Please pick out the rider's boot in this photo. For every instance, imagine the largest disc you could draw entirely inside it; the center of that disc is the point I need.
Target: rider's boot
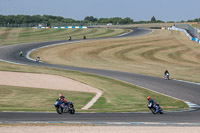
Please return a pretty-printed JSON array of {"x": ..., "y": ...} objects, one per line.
[{"x": 157, "y": 109}]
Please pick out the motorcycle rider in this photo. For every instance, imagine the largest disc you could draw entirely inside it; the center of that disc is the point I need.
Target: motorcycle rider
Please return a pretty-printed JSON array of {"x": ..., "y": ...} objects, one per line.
[
  {"x": 152, "y": 103},
  {"x": 62, "y": 99},
  {"x": 38, "y": 59},
  {"x": 20, "y": 54},
  {"x": 84, "y": 37},
  {"x": 70, "y": 38},
  {"x": 166, "y": 73}
]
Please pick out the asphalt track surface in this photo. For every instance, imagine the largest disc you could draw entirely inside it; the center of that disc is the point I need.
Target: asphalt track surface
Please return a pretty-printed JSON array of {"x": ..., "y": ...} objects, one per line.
[{"x": 182, "y": 90}]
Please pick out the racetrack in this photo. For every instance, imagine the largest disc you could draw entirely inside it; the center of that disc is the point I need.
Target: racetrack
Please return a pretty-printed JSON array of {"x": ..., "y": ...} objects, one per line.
[{"x": 182, "y": 90}]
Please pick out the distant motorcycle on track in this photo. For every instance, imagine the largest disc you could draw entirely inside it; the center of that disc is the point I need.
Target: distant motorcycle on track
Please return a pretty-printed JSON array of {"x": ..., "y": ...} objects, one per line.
[
  {"x": 84, "y": 37},
  {"x": 20, "y": 54},
  {"x": 61, "y": 107},
  {"x": 167, "y": 76},
  {"x": 70, "y": 38},
  {"x": 37, "y": 59}
]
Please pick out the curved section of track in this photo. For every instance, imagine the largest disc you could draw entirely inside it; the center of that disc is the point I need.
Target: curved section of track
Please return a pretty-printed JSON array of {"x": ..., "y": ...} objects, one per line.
[{"x": 182, "y": 90}]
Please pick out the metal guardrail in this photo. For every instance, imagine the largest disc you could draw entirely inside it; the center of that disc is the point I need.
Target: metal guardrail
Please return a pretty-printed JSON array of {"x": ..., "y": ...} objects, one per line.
[{"x": 190, "y": 29}]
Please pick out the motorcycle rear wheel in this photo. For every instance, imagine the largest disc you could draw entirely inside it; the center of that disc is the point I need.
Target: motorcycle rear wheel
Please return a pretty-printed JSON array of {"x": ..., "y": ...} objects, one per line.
[
  {"x": 72, "y": 111},
  {"x": 161, "y": 111}
]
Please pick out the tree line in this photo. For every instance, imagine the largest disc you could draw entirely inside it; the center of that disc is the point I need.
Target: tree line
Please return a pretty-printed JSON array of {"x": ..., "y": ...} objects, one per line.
[
  {"x": 35, "y": 19},
  {"x": 50, "y": 20}
]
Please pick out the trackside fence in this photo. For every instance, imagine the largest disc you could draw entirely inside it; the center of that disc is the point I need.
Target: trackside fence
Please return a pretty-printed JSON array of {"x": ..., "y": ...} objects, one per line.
[
  {"x": 190, "y": 29},
  {"x": 186, "y": 32}
]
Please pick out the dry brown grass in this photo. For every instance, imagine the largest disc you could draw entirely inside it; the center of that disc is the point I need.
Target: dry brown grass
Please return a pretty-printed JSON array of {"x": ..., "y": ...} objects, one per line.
[
  {"x": 11, "y": 35},
  {"x": 151, "y": 54}
]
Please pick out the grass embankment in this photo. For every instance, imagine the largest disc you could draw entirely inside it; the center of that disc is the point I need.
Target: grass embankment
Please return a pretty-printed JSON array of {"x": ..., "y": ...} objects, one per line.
[
  {"x": 196, "y": 25},
  {"x": 33, "y": 99},
  {"x": 25, "y": 35},
  {"x": 117, "y": 96},
  {"x": 151, "y": 54}
]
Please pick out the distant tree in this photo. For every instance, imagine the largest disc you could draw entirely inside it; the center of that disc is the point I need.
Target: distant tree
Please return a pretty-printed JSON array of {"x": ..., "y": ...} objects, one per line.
[
  {"x": 153, "y": 19},
  {"x": 10, "y": 19},
  {"x": 104, "y": 20},
  {"x": 194, "y": 20},
  {"x": 115, "y": 20},
  {"x": 170, "y": 22},
  {"x": 68, "y": 20},
  {"x": 2, "y": 19},
  {"x": 90, "y": 19},
  {"x": 126, "y": 20}
]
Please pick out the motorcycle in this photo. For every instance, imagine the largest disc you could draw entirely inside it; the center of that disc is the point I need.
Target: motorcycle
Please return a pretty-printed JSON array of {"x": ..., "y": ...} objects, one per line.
[
  {"x": 61, "y": 107},
  {"x": 37, "y": 59},
  {"x": 167, "y": 76},
  {"x": 20, "y": 54},
  {"x": 70, "y": 38},
  {"x": 153, "y": 108}
]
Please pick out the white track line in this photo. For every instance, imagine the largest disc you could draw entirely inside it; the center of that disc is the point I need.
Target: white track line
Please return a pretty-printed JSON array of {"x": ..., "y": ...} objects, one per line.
[
  {"x": 187, "y": 81},
  {"x": 91, "y": 103},
  {"x": 13, "y": 62},
  {"x": 125, "y": 33}
]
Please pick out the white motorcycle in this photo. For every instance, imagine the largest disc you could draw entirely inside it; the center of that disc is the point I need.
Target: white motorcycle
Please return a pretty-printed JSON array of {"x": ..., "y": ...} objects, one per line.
[
  {"x": 37, "y": 59},
  {"x": 167, "y": 76}
]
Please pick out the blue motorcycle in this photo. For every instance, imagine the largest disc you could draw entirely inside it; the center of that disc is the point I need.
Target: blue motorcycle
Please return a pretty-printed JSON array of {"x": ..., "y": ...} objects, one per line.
[
  {"x": 61, "y": 107},
  {"x": 153, "y": 108}
]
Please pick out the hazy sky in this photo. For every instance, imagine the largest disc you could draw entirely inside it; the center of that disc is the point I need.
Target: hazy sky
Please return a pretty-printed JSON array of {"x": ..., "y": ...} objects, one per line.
[{"x": 166, "y": 10}]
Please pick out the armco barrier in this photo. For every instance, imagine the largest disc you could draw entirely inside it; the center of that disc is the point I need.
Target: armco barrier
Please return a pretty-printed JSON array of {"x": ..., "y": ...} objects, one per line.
[
  {"x": 193, "y": 31},
  {"x": 42, "y": 27},
  {"x": 71, "y": 27},
  {"x": 66, "y": 27},
  {"x": 179, "y": 29}
]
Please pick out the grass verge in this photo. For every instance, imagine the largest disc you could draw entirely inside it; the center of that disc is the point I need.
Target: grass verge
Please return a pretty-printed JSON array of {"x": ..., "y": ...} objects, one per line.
[
  {"x": 33, "y": 99},
  {"x": 117, "y": 96}
]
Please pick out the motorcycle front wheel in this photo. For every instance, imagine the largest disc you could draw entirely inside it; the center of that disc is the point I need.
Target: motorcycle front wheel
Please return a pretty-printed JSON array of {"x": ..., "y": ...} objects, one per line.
[
  {"x": 153, "y": 110},
  {"x": 59, "y": 110}
]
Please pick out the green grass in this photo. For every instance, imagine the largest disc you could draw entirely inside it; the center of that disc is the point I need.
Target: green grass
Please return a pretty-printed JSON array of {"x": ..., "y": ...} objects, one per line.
[
  {"x": 33, "y": 99},
  {"x": 196, "y": 25},
  {"x": 123, "y": 97},
  {"x": 24, "y": 35},
  {"x": 117, "y": 96}
]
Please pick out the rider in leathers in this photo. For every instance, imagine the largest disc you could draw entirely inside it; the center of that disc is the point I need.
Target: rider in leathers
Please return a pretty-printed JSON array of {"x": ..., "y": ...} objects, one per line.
[
  {"x": 166, "y": 72},
  {"x": 152, "y": 103},
  {"x": 62, "y": 99}
]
